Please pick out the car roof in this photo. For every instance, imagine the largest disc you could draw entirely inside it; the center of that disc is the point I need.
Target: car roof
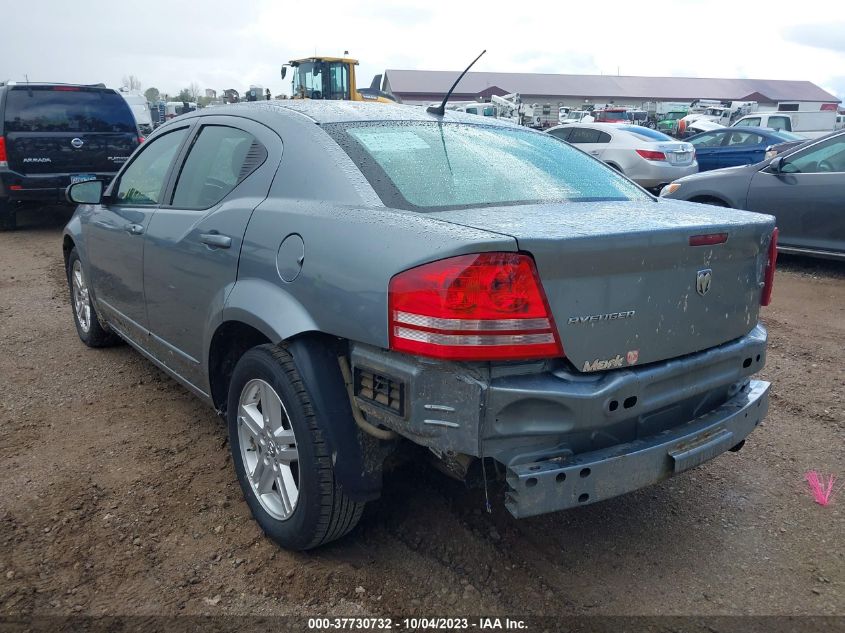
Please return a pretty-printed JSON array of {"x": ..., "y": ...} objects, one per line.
[
  {"x": 763, "y": 131},
  {"x": 49, "y": 84},
  {"x": 349, "y": 111}
]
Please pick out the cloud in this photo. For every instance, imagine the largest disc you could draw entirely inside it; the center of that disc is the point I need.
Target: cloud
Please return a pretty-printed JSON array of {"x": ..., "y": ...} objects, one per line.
[{"x": 828, "y": 35}]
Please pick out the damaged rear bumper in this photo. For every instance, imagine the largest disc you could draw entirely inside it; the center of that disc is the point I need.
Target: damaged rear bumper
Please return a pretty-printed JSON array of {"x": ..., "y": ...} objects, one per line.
[{"x": 547, "y": 486}]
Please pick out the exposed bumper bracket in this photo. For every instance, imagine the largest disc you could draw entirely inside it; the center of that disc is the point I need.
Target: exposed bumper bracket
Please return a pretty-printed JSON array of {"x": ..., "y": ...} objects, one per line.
[{"x": 547, "y": 486}]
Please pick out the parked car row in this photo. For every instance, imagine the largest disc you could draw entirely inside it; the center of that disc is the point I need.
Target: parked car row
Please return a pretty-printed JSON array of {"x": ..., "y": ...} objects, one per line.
[
  {"x": 649, "y": 157},
  {"x": 800, "y": 181}
]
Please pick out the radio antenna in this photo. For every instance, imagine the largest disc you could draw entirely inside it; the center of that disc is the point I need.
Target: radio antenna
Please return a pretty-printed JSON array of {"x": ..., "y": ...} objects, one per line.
[{"x": 441, "y": 109}]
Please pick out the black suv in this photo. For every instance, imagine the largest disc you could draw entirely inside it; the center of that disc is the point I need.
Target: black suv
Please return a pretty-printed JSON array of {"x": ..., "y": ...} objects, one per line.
[{"x": 52, "y": 135}]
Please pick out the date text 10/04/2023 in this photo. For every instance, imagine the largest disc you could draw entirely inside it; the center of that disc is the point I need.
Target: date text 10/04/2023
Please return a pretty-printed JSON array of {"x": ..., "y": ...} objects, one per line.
[{"x": 415, "y": 623}]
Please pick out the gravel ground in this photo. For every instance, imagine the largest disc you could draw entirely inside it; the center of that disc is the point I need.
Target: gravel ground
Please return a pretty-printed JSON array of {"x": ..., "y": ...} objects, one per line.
[{"x": 118, "y": 496}]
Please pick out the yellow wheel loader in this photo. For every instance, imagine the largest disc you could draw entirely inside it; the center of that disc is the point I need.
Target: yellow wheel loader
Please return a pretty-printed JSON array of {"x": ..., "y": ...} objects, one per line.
[{"x": 332, "y": 78}]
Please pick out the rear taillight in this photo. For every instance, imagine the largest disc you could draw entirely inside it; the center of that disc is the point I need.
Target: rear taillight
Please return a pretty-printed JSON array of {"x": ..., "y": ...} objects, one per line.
[
  {"x": 489, "y": 306},
  {"x": 769, "y": 280},
  {"x": 651, "y": 155},
  {"x": 4, "y": 161},
  {"x": 141, "y": 139}
]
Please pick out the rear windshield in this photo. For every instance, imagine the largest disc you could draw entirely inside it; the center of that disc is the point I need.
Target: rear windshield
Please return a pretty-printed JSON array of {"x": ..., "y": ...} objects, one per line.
[
  {"x": 65, "y": 109},
  {"x": 429, "y": 165},
  {"x": 645, "y": 133}
]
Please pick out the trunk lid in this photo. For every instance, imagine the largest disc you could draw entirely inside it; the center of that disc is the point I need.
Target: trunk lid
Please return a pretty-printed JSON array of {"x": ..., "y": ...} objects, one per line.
[{"x": 623, "y": 281}]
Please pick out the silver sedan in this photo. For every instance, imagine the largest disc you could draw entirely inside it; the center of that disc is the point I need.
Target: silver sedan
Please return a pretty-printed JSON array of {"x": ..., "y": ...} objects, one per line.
[{"x": 648, "y": 157}]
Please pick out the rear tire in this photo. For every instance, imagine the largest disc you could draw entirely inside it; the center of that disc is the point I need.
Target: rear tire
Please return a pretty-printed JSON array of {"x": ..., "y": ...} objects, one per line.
[
  {"x": 8, "y": 215},
  {"x": 85, "y": 317},
  {"x": 281, "y": 457}
]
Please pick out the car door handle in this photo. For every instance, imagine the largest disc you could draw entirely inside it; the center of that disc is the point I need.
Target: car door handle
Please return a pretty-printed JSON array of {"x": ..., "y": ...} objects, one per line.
[
  {"x": 216, "y": 240},
  {"x": 594, "y": 152},
  {"x": 134, "y": 229}
]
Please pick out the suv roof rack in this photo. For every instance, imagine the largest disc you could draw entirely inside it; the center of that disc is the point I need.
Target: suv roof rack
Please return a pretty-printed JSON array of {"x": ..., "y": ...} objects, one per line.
[{"x": 49, "y": 83}]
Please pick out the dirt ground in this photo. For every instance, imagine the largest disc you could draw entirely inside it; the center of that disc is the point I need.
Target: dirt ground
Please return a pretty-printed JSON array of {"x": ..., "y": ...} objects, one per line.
[{"x": 117, "y": 494}]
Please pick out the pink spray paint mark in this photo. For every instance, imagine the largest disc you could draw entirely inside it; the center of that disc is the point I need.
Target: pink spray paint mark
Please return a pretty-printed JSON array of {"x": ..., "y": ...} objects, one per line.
[{"x": 821, "y": 487}]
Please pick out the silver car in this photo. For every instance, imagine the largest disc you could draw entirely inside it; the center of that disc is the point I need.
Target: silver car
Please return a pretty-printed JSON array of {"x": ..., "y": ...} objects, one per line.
[
  {"x": 648, "y": 157},
  {"x": 335, "y": 278}
]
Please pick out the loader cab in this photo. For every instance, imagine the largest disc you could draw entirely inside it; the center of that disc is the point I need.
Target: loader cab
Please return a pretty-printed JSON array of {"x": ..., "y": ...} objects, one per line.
[{"x": 323, "y": 78}]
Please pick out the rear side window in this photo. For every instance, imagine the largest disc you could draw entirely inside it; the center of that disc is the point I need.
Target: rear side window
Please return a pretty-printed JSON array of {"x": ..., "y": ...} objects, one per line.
[
  {"x": 780, "y": 123},
  {"x": 584, "y": 135},
  {"x": 750, "y": 122},
  {"x": 67, "y": 109},
  {"x": 218, "y": 160},
  {"x": 738, "y": 139}
]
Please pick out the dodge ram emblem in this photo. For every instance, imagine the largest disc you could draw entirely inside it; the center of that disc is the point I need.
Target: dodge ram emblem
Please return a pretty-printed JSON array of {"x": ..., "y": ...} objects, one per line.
[
  {"x": 77, "y": 143},
  {"x": 702, "y": 281}
]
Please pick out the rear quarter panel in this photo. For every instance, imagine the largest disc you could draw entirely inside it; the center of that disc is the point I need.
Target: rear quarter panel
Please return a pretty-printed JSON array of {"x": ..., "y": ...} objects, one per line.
[{"x": 350, "y": 254}]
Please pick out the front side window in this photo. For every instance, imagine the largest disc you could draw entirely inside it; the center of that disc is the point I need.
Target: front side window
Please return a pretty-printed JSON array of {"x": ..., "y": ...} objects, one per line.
[
  {"x": 428, "y": 165},
  {"x": 561, "y": 133},
  {"x": 214, "y": 166},
  {"x": 142, "y": 182},
  {"x": 828, "y": 156},
  {"x": 748, "y": 122}
]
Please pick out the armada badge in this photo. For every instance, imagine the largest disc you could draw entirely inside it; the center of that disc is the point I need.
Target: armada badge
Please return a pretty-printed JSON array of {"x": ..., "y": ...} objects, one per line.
[{"x": 703, "y": 280}]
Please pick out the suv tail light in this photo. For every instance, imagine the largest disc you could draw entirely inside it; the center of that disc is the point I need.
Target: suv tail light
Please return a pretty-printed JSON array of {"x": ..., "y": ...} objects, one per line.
[
  {"x": 651, "y": 155},
  {"x": 489, "y": 306},
  {"x": 769, "y": 280},
  {"x": 4, "y": 161}
]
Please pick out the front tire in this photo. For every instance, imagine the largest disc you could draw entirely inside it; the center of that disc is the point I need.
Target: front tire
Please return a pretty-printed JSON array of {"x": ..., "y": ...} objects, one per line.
[
  {"x": 85, "y": 317},
  {"x": 280, "y": 454}
]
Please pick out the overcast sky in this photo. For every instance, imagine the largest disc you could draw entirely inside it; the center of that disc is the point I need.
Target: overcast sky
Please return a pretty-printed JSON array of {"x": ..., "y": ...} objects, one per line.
[{"x": 229, "y": 44}]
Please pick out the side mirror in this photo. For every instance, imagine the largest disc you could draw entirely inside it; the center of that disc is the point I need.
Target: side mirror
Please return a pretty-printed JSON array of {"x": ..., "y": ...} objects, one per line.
[
  {"x": 88, "y": 192},
  {"x": 284, "y": 71}
]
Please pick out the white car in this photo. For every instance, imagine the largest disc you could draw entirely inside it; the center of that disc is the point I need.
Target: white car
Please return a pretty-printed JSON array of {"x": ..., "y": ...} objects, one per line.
[{"x": 648, "y": 157}]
